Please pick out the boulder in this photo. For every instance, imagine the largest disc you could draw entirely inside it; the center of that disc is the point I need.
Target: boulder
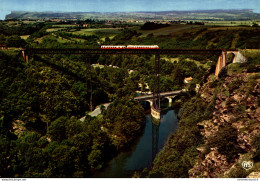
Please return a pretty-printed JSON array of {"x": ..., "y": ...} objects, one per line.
[
  {"x": 238, "y": 97},
  {"x": 254, "y": 175}
]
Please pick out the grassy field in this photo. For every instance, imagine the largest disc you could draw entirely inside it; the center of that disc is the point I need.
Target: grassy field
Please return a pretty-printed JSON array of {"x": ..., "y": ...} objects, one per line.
[
  {"x": 172, "y": 29},
  {"x": 230, "y": 23},
  {"x": 63, "y": 40},
  {"x": 95, "y": 31},
  {"x": 60, "y": 39},
  {"x": 177, "y": 59},
  {"x": 102, "y": 32},
  {"x": 63, "y": 26},
  {"x": 211, "y": 26},
  {"x": 25, "y": 36},
  {"x": 40, "y": 39},
  {"x": 231, "y": 28},
  {"x": 54, "y": 29},
  {"x": 168, "y": 30},
  {"x": 251, "y": 52}
]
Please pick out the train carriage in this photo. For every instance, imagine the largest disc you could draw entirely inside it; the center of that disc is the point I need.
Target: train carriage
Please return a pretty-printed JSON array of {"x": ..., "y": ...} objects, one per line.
[
  {"x": 113, "y": 47},
  {"x": 142, "y": 47},
  {"x": 130, "y": 47}
]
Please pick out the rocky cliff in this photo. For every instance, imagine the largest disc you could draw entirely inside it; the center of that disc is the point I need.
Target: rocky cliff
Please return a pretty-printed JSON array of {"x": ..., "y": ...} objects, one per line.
[{"x": 231, "y": 137}]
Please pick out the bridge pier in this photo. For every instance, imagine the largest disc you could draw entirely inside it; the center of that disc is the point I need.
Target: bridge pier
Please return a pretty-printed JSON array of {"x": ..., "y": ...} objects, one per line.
[
  {"x": 221, "y": 62},
  {"x": 170, "y": 99},
  {"x": 155, "y": 109},
  {"x": 222, "y": 59},
  {"x": 155, "y": 113},
  {"x": 25, "y": 56}
]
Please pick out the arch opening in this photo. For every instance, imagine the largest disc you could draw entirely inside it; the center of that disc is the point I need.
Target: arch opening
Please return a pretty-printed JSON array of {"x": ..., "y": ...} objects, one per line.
[
  {"x": 230, "y": 58},
  {"x": 146, "y": 104}
]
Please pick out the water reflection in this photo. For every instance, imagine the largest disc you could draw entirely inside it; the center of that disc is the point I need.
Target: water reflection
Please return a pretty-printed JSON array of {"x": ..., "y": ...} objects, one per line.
[
  {"x": 155, "y": 138},
  {"x": 141, "y": 154}
]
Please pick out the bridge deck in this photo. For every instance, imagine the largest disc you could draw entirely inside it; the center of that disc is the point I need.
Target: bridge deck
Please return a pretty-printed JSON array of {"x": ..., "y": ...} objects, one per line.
[
  {"x": 150, "y": 96},
  {"x": 123, "y": 51}
]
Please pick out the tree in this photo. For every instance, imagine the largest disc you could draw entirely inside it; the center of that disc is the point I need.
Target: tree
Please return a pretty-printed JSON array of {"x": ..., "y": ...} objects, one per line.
[
  {"x": 57, "y": 129},
  {"x": 226, "y": 142},
  {"x": 15, "y": 41},
  {"x": 125, "y": 119},
  {"x": 95, "y": 158}
]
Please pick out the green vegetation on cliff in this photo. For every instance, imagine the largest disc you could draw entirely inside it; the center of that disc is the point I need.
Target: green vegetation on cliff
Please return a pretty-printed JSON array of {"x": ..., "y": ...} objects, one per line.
[
  {"x": 41, "y": 135},
  {"x": 180, "y": 152},
  {"x": 218, "y": 127}
]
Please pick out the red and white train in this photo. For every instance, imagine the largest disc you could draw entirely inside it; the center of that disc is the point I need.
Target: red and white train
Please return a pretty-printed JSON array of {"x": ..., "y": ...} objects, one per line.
[{"x": 130, "y": 47}]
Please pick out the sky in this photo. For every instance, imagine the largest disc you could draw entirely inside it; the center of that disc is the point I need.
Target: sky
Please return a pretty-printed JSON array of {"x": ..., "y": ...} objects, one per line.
[{"x": 6, "y": 6}]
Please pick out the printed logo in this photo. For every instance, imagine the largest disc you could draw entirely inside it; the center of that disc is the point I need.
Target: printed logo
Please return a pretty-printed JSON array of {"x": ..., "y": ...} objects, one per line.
[{"x": 247, "y": 165}]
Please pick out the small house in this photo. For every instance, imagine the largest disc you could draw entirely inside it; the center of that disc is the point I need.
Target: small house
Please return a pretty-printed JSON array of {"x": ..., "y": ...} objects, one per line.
[{"x": 187, "y": 80}]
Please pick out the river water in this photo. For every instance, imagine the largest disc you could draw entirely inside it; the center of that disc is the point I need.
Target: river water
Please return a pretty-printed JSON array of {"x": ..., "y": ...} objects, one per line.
[{"x": 141, "y": 154}]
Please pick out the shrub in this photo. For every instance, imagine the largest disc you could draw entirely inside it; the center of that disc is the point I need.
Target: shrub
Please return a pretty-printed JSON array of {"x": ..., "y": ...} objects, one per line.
[
  {"x": 238, "y": 173},
  {"x": 240, "y": 109},
  {"x": 223, "y": 73},
  {"x": 235, "y": 84},
  {"x": 213, "y": 84},
  {"x": 256, "y": 145},
  {"x": 226, "y": 142}
]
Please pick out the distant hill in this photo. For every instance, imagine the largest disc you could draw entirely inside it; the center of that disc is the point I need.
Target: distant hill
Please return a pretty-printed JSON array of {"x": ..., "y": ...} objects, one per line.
[{"x": 230, "y": 15}]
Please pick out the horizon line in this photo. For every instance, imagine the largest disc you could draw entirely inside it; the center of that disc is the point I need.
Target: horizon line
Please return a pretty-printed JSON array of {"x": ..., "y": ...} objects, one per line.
[{"x": 248, "y": 9}]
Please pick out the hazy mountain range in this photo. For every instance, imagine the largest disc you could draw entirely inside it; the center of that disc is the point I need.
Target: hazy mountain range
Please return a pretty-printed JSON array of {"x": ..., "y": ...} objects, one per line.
[{"x": 243, "y": 14}]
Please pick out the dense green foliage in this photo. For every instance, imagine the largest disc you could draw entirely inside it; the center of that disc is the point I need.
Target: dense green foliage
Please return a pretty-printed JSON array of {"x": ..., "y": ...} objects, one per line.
[
  {"x": 52, "y": 142},
  {"x": 21, "y": 29},
  {"x": 226, "y": 142},
  {"x": 153, "y": 26},
  {"x": 256, "y": 145},
  {"x": 41, "y": 101},
  {"x": 123, "y": 122},
  {"x": 69, "y": 148},
  {"x": 12, "y": 41},
  {"x": 180, "y": 153}
]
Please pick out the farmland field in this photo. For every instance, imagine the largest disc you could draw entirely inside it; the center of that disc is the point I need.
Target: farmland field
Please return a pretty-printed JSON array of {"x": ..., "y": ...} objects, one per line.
[
  {"x": 230, "y": 23},
  {"x": 102, "y": 32},
  {"x": 54, "y": 29},
  {"x": 177, "y": 59},
  {"x": 168, "y": 30},
  {"x": 63, "y": 26},
  {"x": 231, "y": 28},
  {"x": 95, "y": 31}
]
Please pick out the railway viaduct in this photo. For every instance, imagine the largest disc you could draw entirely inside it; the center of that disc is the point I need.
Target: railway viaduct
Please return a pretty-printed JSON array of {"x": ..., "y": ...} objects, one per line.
[
  {"x": 222, "y": 59},
  {"x": 155, "y": 108},
  {"x": 221, "y": 63}
]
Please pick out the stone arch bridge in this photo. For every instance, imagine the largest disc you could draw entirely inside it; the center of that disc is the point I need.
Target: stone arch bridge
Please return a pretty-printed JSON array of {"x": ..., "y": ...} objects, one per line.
[{"x": 149, "y": 98}]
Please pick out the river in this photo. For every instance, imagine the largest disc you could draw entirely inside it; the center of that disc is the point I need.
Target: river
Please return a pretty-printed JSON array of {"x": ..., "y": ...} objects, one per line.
[{"x": 141, "y": 154}]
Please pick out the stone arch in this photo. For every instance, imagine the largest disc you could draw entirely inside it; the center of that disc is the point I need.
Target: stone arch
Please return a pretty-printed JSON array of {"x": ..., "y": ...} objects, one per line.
[
  {"x": 147, "y": 103},
  {"x": 222, "y": 59},
  {"x": 176, "y": 97},
  {"x": 232, "y": 55},
  {"x": 166, "y": 98},
  {"x": 169, "y": 99}
]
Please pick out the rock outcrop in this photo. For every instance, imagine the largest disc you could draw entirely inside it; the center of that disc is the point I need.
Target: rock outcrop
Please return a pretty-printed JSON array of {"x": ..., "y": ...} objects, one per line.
[{"x": 236, "y": 105}]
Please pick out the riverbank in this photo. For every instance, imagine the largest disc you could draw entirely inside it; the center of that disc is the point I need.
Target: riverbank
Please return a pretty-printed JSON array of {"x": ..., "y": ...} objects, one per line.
[
  {"x": 217, "y": 132},
  {"x": 141, "y": 153}
]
